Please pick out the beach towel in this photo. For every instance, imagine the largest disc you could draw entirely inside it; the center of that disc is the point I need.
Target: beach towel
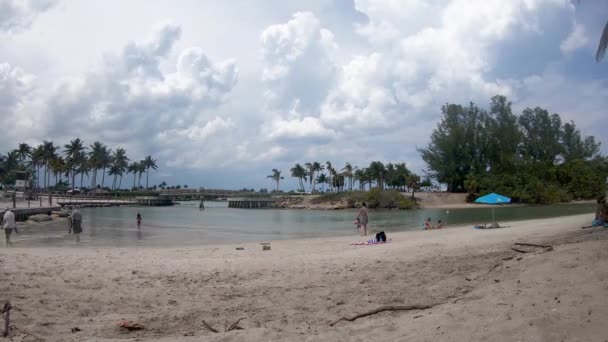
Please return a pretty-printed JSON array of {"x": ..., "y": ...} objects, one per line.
[{"x": 370, "y": 243}]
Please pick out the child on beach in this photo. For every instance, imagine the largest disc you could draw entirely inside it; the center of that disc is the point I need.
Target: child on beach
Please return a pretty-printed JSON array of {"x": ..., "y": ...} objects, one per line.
[{"x": 138, "y": 221}]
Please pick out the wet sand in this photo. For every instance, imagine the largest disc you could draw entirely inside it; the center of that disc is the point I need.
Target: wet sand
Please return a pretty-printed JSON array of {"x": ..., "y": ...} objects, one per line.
[{"x": 478, "y": 287}]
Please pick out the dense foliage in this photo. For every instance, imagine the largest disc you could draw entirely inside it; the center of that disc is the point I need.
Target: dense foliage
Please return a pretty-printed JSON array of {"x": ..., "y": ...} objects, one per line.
[
  {"x": 533, "y": 157},
  {"x": 75, "y": 162},
  {"x": 376, "y": 198}
]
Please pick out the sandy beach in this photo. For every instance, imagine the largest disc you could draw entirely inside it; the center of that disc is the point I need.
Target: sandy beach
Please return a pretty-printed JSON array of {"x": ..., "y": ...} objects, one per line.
[{"x": 478, "y": 288}]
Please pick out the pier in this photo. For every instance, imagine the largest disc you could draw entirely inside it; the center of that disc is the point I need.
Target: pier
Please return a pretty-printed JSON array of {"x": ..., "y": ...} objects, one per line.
[
  {"x": 22, "y": 214},
  {"x": 149, "y": 201},
  {"x": 251, "y": 203}
]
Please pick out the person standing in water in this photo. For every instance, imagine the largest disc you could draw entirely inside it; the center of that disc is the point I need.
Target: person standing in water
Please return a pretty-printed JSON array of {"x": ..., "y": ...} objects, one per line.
[
  {"x": 9, "y": 224},
  {"x": 362, "y": 218},
  {"x": 201, "y": 206},
  {"x": 76, "y": 226},
  {"x": 138, "y": 221}
]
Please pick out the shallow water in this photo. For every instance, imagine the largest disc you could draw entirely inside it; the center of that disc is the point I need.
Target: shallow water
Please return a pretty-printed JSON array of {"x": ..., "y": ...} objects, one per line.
[{"x": 184, "y": 224}]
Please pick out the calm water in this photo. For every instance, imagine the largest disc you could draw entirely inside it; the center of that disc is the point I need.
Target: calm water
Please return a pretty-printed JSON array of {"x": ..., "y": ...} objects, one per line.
[{"x": 185, "y": 225}]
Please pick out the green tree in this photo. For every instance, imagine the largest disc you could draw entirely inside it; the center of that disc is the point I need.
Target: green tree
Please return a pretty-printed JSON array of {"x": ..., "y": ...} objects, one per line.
[
  {"x": 276, "y": 177},
  {"x": 299, "y": 172},
  {"x": 74, "y": 154},
  {"x": 149, "y": 163},
  {"x": 322, "y": 179}
]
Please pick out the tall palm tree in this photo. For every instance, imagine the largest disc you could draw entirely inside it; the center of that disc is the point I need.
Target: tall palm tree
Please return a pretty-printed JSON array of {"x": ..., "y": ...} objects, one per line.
[
  {"x": 37, "y": 161},
  {"x": 149, "y": 163},
  {"x": 329, "y": 169},
  {"x": 23, "y": 152},
  {"x": 322, "y": 179},
  {"x": 105, "y": 161},
  {"x": 348, "y": 172},
  {"x": 74, "y": 153},
  {"x": 50, "y": 152},
  {"x": 141, "y": 168},
  {"x": 299, "y": 172},
  {"x": 96, "y": 155},
  {"x": 133, "y": 168},
  {"x": 313, "y": 168},
  {"x": 276, "y": 176},
  {"x": 120, "y": 162},
  {"x": 57, "y": 166},
  {"x": 84, "y": 166}
]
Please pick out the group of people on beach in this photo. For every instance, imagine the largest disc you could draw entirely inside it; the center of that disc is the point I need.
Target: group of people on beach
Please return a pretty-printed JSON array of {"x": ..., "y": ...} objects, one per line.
[
  {"x": 9, "y": 224},
  {"x": 428, "y": 225}
]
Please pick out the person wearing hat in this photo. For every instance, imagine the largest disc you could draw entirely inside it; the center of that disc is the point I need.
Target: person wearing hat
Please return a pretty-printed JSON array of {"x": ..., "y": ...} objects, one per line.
[{"x": 8, "y": 223}]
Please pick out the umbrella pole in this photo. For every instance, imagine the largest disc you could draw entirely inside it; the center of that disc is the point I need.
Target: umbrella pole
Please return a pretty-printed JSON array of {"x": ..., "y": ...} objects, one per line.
[{"x": 493, "y": 222}]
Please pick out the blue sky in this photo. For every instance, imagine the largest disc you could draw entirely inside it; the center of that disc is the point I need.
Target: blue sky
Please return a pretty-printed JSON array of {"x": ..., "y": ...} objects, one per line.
[{"x": 223, "y": 92}]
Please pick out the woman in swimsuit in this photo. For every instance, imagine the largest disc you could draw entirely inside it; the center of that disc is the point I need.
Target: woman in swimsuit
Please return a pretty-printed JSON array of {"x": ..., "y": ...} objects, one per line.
[{"x": 138, "y": 220}]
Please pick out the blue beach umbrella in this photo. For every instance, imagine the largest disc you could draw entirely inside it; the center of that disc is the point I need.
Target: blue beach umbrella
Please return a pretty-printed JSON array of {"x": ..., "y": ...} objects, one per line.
[{"x": 493, "y": 199}]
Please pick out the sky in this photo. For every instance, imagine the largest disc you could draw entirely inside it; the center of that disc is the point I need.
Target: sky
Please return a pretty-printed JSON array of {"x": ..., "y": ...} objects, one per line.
[{"x": 222, "y": 92}]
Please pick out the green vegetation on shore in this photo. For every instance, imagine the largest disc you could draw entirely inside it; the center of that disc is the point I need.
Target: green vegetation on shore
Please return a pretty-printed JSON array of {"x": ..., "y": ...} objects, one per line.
[
  {"x": 75, "y": 162},
  {"x": 375, "y": 199},
  {"x": 533, "y": 157}
]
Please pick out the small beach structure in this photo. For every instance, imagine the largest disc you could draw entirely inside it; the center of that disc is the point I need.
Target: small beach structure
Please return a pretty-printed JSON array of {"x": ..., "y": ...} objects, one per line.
[{"x": 493, "y": 199}]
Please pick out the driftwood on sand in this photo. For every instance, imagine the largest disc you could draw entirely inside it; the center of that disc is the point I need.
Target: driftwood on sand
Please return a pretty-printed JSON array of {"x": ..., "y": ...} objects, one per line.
[
  {"x": 6, "y": 312},
  {"x": 382, "y": 309},
  {"x": 547, "y": 248},
  {"x": 227, "y": 328}
]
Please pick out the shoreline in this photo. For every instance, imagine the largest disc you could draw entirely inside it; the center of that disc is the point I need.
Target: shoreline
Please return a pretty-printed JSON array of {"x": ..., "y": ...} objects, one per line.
[{"x": 294, "y": 291}]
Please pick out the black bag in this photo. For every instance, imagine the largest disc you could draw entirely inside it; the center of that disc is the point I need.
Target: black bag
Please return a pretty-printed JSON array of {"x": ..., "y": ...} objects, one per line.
[{"x": 381, "y": 237}]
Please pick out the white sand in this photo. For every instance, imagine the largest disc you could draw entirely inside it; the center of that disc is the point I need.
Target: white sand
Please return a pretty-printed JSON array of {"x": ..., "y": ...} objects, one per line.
[{"x": 294, "y": 291}]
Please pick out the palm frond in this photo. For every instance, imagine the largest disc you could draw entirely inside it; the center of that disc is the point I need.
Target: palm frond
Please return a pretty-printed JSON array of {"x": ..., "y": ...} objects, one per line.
[{"x": 601, "y": 48}]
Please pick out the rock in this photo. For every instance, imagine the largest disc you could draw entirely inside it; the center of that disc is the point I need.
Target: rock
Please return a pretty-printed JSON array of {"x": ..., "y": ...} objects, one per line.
[
  {"x": 40, "y": 218},
  {"x": 60, "y": 213}
]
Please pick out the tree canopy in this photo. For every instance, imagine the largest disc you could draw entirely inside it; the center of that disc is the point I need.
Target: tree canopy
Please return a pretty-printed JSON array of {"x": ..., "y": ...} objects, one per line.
[{"x": 533, "y": 157}]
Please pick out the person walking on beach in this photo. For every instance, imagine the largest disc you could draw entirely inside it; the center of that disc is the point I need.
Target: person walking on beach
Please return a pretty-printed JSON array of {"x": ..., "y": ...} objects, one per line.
[
  {"x": 138, "y": 221},
  {"x": 362, "y": 218},
  {"x": 201, "y": 206},
  {"x": 76, "y": 224},
  {"x": 8, "y": 223}
]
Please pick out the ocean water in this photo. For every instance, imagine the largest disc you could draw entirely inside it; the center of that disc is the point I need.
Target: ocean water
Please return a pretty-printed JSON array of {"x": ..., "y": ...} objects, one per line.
[{"x": 185, "y": 224}]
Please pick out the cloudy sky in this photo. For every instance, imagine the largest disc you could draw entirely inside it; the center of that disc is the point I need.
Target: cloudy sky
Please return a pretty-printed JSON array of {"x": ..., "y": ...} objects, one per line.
[{"x": 221, "y": 92}]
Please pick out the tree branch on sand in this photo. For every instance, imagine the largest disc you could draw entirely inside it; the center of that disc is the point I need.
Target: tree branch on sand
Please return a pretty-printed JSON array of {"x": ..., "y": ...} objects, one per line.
[{"x": 384, "y": 308}]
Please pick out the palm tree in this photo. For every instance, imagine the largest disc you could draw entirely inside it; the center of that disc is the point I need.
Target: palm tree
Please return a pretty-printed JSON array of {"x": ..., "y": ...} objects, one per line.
[
  {"x": 57, "y": 166},
  {"x": 96, "y": 155},
  {"x": 276, "y": 176},
  {"x": 23, "y": 152},
  {"x": 312, "y": 168},
  {"x": 347, "y": 171},
  {"x": 105, "y": 161},
  {"x": 74, "y": 153},
  {"x": 300, "y": 173},
  {"x": 133, "y": 168},
  {"x": 37, "y": 161},
  {"x": 120, "y": 162},
  {"x": 84, "y": 166},
  {"x": 50, "y": 152},
  {"x": 141, "y": 168},
  {"x": 322, "y": 179},
  {"x": 149, "y": 163},
  {"x": 330, "y": 170}
]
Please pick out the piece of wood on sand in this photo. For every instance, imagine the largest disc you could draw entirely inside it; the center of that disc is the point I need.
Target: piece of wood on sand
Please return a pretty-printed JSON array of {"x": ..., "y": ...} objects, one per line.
[
  {"x": 6, "y": 312},
  {"x": 130, "y": 325},
  {"x": 382, "y": 309}
]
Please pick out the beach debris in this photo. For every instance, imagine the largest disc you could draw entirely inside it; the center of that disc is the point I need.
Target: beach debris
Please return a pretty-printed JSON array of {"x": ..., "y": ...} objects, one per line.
[
  {"x": 382, "y": 309},
  {"x": 266, "y": 247},
  {"x": 547, "y": 248},
  {"x": 233, "y": 326},
  {"x": 76, "y": 329},
  {"x": 227, "y": 328},
  {"x": 240, "y": 248},
  {"x": 6, "y": 312},
  {"x": 208, "y": 327},
  {"x": 130, "y": 325}
]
